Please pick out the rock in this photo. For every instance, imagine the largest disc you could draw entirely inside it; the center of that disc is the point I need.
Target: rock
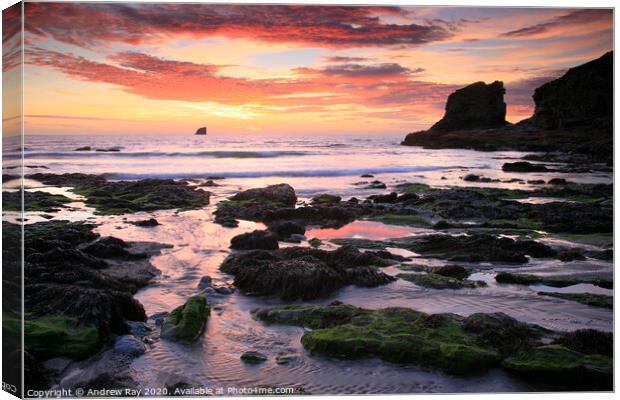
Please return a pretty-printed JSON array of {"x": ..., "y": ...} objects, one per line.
[
  {"x": 376, "y": 185},
  {"x": 210, "y": 183},
  {"x": 407, "y": 198},
  {"x": 304, "y": 273},
  {"x": 201, "y": 131},
  {"x": 295, "y": 238},
  {"x": 453, "y": 271},
  {"x": 129, "y": 345},
  {"x": 281, "y": 193},
  {"x": 57, "y": 365},
  {"x": 435, "y": 281},
  {"x": 139, "y": 329},
  {"x": 54, "y": 336},
  {"x": 471, "y": 178},
  {"x": 205, "y": 282},
  {"x": 557, "y": 364},
  {"x": 477, "y": 106},
  {"x": 186, "y": 322},
  {"x": 109, "y": 150},
  {"x": 253, "y": 357},
  {"x": 257, "y": 239},
  {"x": 367, "y": 176},
  {"x": 285, "y": 229},
  {"x": 583, "y": 96},
  {"x": 159, "y": 317},
  {"x": 108, "y": 247},
  {"x": 557, "y": 181},
  {"x": 523, "y": 166},
  {"x": 536, "y": 182},
  {"x": 315, "y": 242},
  {"x": 345, "y": 331},
  {"x": 146, "y": 223},
  {"x": 590, "y": 299},
  {"x": 85, "y": 148},
  {"x": 64, "y": 281},
  {"x": 588, "y": 341},
  {"x": 326, "y": 198},
  {"x": 387, "y": 198},
  {"x": 475, "y": 248}
]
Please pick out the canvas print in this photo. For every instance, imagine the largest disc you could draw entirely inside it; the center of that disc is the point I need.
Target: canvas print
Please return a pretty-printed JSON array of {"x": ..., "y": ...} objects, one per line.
[{"x": 250, "y": 199}]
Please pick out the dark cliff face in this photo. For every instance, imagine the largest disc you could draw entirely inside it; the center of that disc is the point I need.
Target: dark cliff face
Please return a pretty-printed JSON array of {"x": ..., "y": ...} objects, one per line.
[
  {"x": 582, "y": 97},
  {"x": 477, "y": 106}
]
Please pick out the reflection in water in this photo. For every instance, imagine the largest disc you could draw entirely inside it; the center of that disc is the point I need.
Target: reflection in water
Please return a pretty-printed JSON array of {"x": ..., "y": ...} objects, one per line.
[{"x": 365, "y": 230}]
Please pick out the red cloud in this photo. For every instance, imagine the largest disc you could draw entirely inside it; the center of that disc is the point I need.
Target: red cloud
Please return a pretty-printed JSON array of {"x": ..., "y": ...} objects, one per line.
[
  {"x": 566, "y": 20},
  {"x": 373, "y": 85},
  {"x": 87, "y": 24}
]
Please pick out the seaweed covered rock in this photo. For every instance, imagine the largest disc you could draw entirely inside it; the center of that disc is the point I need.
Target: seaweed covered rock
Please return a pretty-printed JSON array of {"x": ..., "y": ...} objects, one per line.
[
  {"x": 254, "y": 240},
  {"x": 476, "y": 248},
  {"x": 187, "y": 322},
  {"x": 304, "y": 273},
  {"x": 56, "y": 336},
  {"x": 558, "y": 364},
  {"x": 436, "y": 281},
  {"x": 394, "y": 334},
  {"x": 33, "y": 201},
  {"x": 326, "y": 198},
  {"x": 63, "y": 279},
  {"x": 449, "y": 342},
  {"x": 477, "y": 106},
  {"x": 120, "y": 197},
  {"x": 281, "y": 193}
]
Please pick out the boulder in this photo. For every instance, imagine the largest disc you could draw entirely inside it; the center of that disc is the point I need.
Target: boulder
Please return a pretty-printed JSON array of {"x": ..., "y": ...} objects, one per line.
[
  {"x": 186, "y": 322},
  {"x": 253, "y": 357},
  {"x": 477, "y": 106},
  {"x": 129, "y": 345},
  {"x": 281, "y": 193},
  {"x": 257, "y": 239},
  {"x": 523, "y": 166},
  {"x": 304, "y": 273},
  {"x": 326, "y": 198}
]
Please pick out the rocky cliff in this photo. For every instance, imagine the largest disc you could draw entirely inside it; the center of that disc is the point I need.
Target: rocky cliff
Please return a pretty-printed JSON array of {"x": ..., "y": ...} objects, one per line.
[
  {"x": 477, "y": 106},
  {"x": 581, "y": 97},
  {"x": 573, "y": 114}
]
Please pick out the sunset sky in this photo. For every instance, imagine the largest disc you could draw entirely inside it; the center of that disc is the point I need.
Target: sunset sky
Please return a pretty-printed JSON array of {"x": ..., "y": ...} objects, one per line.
[{"x": 240, "y": 69}]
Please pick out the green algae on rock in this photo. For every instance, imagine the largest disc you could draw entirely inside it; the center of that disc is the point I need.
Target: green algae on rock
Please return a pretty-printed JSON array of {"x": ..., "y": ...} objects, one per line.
[
  {"x": 449, "y": 342},
  {"x": 187, "y": 322},
  {"x": 590, "y": 299},
  {"x": 56, "y": 336},
  {"x": 33, "y": 201},
  {"x": 558, "y": 364},
  {"x": 395, "y": 334},
  {"x": 437, "y": 281},
  {"x": 121, "y": 197},
  {"x": 553, "y": 281}
]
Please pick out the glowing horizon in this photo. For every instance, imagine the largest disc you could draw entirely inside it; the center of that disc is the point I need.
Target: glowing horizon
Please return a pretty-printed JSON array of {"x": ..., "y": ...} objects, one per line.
[{"x": 93, "y": 68}]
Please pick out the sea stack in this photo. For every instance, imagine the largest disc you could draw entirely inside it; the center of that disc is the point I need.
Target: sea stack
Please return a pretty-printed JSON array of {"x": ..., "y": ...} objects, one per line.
[
  {"x": 477, "y": 106},
  {"x": 202, "y": 131}
]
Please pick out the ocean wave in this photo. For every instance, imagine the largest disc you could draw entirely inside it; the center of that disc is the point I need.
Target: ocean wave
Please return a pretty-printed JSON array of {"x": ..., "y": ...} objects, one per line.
[
  {"x": 156, "y": 154},
  {"x": 327, "y": 172}
]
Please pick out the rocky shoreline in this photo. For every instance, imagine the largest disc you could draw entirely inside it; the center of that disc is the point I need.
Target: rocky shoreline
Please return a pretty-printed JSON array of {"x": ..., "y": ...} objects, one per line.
[{"x": 80, "y": 286}]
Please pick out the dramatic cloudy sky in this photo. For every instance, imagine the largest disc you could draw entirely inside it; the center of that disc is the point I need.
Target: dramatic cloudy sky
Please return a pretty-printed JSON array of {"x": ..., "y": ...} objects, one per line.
[{"x": 169, "y": 68}]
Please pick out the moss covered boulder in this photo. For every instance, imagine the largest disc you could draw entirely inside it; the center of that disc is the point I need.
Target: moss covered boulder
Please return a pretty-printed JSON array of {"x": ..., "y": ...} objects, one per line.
[
  {"x": 395, "y": 334},
  {"x": 558, "y": 364},
  {"x": 56, "y": 336},
  {"x": 186, "y": 322}
]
